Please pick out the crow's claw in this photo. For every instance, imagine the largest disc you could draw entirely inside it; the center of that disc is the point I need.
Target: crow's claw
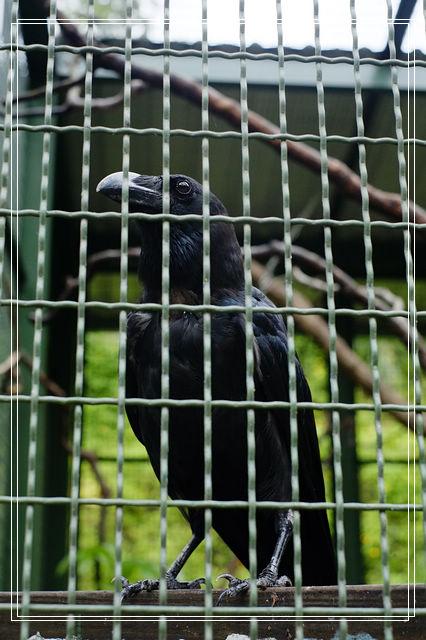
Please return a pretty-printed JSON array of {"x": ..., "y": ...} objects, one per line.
[
  {"x": 235, "y": 586},
  {"x": 130, "y": 590},
  {"x": 283, "y": 581},
  {"x": 192, "y": 584},
  {"x": 267, "y": 579}
]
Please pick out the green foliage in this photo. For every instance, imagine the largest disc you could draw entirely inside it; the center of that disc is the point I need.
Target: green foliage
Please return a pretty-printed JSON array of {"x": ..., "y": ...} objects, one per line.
[
  {"x": 141, "y": 547},
  {"x": 401, "y": 476}
]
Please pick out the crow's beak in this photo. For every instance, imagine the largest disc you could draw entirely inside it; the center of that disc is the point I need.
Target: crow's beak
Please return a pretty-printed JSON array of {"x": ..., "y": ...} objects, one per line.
[{"x": 145, "y": 192}]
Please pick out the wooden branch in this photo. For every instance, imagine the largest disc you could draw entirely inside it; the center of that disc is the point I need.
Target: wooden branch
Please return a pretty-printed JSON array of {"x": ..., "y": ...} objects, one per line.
[
  {"x": 310, "y": 281},
  {"x": 74, "y": 100},
  {"x": 41, "y": 91},
  {"x": 384, "y": 299},
  {"x": 339, "y": 173},
  {"x": 56, "y": 390},
  {"x": 95, "y": 262},
  {"x": 312, "y": 325},
  {"x": 316, "y": 327},
  {"x": 362, "y": 599}
]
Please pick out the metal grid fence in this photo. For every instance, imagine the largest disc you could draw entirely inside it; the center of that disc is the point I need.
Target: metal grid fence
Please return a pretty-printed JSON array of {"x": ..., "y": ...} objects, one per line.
[{"x": 36, "y": 398}]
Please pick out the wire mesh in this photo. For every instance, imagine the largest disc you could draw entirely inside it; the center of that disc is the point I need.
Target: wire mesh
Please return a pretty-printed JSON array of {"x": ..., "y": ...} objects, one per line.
[
  {"x": 331, "y": 306},
  {"x": 77, "y": 400},
  {"x": 81, "y": 325},
  {"x": 372, "y": 331},
  {"x": 207, "y": 338},
  {"x": 249, "y": 350},
  {"x": 36, "y": 352}
]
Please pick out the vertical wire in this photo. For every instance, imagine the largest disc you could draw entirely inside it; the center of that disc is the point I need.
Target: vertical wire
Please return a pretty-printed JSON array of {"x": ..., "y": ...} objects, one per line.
[
  {"x": 208, "y": 493},
  {"x": 124, "y": 243},
  {"x": 15, "y": 219},
  {"x": 5, "y": 173},
  {"x": 290, "y": 326},
  {"x": 248, "y": 305},
  {"x": 412, "y": 312},
  {"x": 402, "y": 171},
  {"x": 409, "y": 347},
  {"x": 165, "y": 324},
  {"x": 79, "y": 358},
  {"x": 334, "y": 389},
  {"x": 372, "y": 322},
  {"x": 6, "y": 183},
  {"x": 417, "y": 370},
  {"x": 38, "y": 326}
]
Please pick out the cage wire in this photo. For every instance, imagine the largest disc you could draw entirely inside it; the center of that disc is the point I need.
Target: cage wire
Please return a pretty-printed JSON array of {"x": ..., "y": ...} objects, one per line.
[{"x": 24, "y": 528}]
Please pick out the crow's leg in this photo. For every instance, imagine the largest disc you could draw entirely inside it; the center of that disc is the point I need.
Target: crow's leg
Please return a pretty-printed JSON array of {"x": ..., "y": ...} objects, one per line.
[
  {"x": 268, "y": 577},
  {"x": 171, "y": 574}
]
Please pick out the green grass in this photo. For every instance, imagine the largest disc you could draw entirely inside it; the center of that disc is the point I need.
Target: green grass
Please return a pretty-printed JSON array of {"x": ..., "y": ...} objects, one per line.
[{"x": 141, "y": 545}]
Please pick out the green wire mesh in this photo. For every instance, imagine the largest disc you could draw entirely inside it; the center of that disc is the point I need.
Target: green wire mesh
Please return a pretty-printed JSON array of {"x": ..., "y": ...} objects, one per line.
[
  {"x": 36, "y": 356},
  {"x": 249, "y": 355},
  {"x": 81, "y": 325},
  {"x": 372, "y": 328},
  {"x": 40, "y": 302},
  {"x": 207, "y": 351}
]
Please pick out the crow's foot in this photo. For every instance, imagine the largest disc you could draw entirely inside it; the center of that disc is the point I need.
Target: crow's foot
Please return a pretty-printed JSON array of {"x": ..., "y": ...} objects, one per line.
[
  {"x": 129, "y": 590},
  {"x": 268, "y": 579},
  {"x": 236, "y": 586}
]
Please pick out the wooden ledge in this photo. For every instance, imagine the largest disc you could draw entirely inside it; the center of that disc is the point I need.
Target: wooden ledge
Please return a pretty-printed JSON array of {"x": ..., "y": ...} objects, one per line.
[{"x": 186, "y": 623}]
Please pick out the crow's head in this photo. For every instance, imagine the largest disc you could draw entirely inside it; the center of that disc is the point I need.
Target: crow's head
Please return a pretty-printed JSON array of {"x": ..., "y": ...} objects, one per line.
[
  {"x": 186, "y": 237},
  {"x": 146, "y": 194}
]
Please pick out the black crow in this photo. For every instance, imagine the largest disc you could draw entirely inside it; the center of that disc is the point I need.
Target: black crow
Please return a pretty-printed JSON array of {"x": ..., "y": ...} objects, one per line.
[{"x": 229, "y": 425}]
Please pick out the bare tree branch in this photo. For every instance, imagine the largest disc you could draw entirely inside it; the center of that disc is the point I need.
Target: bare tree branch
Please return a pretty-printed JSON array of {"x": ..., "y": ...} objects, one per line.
[
  {"x": 313, "y": 325},
  {"x": 94, "y": 263},
  {"x": 40, "y": 91},
  {"x": 314, "y": 283},
  {"x": 317, "y": 328},
  {"x": 74, "y": 100},
  {"x": 384, "y": 301},
  {"x": 56, "y": 390},
  {"x": 338, "y": 172}
]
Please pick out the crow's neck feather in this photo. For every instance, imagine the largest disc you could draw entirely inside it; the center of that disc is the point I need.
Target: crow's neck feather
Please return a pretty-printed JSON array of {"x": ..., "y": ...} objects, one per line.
[{"x": 186, "y": 259}]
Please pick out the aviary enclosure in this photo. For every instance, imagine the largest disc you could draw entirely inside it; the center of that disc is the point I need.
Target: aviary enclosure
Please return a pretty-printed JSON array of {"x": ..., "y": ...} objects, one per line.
[{"x": 313, "y": 136}]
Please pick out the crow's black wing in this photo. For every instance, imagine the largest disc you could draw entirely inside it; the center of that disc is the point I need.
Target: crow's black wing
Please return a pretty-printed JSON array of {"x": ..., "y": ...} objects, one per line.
[
  {"x": 272, "y": 380},
  {"x": 137, "y": 323},
  {"x": 272, "y": 383}
]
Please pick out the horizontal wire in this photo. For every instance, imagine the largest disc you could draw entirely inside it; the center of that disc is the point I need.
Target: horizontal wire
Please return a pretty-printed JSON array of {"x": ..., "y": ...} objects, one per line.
[
  {"x": 215, "y": 53},
  {"x": 200, "y": 133},
  {"x": 202, "y": 308},
  {"x": 195, "y": 217},
  {"x": 195, "y": 402},
  {"x": 214, "y": 504},
  {"x": 243, "y": 611},
  {"x": 138, "y": 460}
]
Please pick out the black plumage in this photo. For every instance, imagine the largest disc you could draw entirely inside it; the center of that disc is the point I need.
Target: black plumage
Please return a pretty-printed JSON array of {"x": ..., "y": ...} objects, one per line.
[{"x": 229, "y": 431}]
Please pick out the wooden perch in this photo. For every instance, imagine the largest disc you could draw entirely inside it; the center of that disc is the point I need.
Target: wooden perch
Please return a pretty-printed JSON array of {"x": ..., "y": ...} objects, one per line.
[
  {"x": 317, "y": 328},
  {"x": 362, "y": 599}
]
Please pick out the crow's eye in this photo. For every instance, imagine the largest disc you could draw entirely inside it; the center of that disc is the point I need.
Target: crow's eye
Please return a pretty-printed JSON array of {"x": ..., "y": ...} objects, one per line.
[{"x": 183, "y": 187}]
